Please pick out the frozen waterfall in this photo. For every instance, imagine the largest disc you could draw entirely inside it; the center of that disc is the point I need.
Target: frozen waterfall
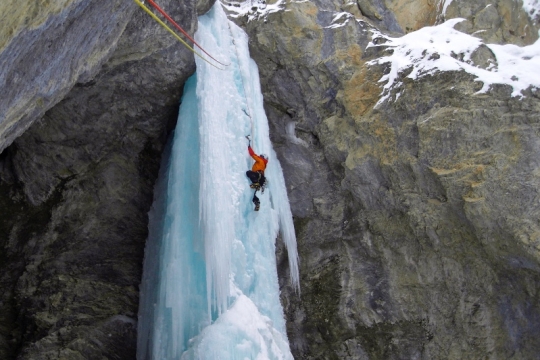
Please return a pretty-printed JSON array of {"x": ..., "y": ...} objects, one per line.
[{"x": 210, "y": 287}]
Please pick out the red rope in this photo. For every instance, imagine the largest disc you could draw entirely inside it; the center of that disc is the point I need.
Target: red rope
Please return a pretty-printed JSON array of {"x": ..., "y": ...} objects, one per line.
[{"x": 181, "y": 30}]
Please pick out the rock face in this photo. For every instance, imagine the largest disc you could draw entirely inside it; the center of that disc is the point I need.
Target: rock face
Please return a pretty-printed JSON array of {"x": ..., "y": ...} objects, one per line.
[
  {"x": 45, "y": 50},
  {"x": 78, "y": 184},
  {"x": 417, "y": 219},
  {"x": 498, "y": 22}
]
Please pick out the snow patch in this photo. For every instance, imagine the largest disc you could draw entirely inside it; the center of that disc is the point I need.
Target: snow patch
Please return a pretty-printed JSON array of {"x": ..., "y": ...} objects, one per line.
[
  {"x": 532, "y": 8},
  {"x": 445, "y": 4},
  {"x": 442, "y": 48},
  {"x": 339, "y": 20},
  {"x": 252, "y": 9}
]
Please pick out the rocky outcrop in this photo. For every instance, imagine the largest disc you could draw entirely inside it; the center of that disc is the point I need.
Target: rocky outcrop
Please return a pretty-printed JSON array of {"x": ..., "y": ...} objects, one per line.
[
  {"x": 416, "y": 218},
  {"x": 498, "y": 22},
  {"x": 78, "y": 184},
  {"x": 45, "y": 50}
]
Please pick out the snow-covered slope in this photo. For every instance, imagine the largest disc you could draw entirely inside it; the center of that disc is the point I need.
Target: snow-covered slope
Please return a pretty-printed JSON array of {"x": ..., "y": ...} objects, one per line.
[{"x": 442, "y": 48}]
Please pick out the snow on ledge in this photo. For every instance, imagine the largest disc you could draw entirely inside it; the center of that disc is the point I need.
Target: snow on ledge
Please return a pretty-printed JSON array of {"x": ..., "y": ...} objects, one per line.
[
  {"x": 253, "y": 9},
  {"x": 532, "y": 8},
  {"x": 445, "y": 4},
  {"x": 340, "y": 19},
  {"x": 442, "y": 48}
]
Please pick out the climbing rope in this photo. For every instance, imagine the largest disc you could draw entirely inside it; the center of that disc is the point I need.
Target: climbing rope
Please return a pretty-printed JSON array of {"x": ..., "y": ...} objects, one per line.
[
  {"x": 248, "y": 112},
  {"x": 147, "y": 10},
  {"x": 182, "y": 30}
]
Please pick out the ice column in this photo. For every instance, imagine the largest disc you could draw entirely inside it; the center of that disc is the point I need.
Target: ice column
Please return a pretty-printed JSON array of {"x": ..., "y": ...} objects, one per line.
[{"x": 210, "y": 287}]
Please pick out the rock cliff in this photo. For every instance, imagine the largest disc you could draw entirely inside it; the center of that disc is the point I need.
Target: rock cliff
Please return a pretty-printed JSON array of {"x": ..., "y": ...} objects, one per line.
[
  {"x": 416, "y": 216},
  {"x": 90, "y": 93}
]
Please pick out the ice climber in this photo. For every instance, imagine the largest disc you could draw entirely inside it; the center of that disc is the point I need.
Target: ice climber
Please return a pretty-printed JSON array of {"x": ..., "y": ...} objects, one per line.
[{"x": 256, "y": 174}]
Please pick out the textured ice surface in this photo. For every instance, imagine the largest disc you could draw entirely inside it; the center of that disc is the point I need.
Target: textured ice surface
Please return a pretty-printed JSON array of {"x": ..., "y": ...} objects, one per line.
[{"x": 210, "y": 287}]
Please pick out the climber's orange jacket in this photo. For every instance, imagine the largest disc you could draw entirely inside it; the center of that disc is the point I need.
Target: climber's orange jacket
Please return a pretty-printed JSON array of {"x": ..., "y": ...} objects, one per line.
[{"x": 260, "y": 162}]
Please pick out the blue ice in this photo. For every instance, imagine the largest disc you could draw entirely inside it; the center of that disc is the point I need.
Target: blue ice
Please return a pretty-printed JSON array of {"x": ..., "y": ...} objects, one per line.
[{"x": 210, "y": 287}]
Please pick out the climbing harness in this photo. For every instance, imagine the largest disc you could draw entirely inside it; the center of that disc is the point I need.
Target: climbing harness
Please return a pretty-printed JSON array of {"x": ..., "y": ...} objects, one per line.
[
  {"x": 158, "y": 20},
  {"x": 156, "y": 6}
]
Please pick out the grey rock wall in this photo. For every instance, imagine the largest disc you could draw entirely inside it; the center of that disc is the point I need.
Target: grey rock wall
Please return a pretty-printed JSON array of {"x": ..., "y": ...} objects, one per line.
[
  {"x": 98, "y": 87},
  {"x": 45, "y": 50},
  {"x": 416, "y": 220},
  {"x": 498, "y": 22}
]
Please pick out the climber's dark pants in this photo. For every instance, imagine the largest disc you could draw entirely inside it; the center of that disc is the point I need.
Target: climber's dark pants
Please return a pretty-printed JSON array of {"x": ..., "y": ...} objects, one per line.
[
  {"x": 255, "y": 199},
  {"x": 256, "y": 177}
]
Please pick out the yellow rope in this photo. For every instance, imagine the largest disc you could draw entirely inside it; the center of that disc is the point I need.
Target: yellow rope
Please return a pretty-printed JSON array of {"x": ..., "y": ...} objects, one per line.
[{"x": 172, "y": 32}]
